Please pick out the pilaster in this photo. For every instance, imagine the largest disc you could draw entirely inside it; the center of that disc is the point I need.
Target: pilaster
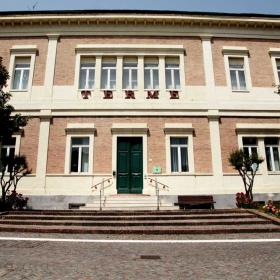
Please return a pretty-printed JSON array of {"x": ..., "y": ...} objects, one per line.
[
  {"x": 50, "y": 64},
  {"x": 214, "y": 127},
  {"x": 42, "y": 157}
]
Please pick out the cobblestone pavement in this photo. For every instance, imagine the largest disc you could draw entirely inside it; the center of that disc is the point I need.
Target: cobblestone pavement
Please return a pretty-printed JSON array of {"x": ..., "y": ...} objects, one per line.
[{"x": 28, "y": 260}]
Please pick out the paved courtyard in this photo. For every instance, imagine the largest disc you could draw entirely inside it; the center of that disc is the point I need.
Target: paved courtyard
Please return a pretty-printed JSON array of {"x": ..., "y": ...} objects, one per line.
[{"x": 71, "y": 260}]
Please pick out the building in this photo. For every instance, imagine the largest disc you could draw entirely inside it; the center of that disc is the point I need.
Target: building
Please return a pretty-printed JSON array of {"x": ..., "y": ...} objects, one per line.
[{"x": 134, "y": 95}]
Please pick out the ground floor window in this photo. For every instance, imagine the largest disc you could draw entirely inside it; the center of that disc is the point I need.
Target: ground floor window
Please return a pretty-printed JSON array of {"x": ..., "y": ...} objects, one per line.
[
  {"x": 79, "y": 154},
  {"x": 250, "y": 145},
  {"x": 179, "y": 154},
  {"x": 8, "y": 149},
  {"x": 272, "y": 153}
]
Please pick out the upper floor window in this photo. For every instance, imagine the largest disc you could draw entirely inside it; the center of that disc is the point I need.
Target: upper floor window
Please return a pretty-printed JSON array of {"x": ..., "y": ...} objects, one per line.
[
  {"x": 172, "y": 74},
  {"x": 272, "y": 153},
  {"x": 278, "y": 68},
  {"x": 108, "y": 74},
  {"x": 130, "y": 69},
  {"x": 250, "y": 145},
  {"x": 8, "y": 149},
  {"x": 237, "y": 73},
  {"x": 79, "y": 154},
  {"x": 151, "y": 74},
  {"x": 87, "y": 73},
  {"x": 21, "y": 73},
  {"x": 179, "y": 154}
]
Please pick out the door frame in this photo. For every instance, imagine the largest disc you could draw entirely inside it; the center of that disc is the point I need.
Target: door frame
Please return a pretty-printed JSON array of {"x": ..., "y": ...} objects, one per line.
[{"x": 145, "y": 156}]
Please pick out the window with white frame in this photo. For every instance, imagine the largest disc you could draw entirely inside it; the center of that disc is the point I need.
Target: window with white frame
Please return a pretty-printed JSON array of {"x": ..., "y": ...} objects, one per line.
[
  {"x": 21, "y": 73},
  {"x": 250, "y": 145},
  {"x": 272, "y": 153},
  {"x": 79, "y": 155},
  {"x": 237, "y": 73},
  {"x": 87, "y": 73},
  {"x": 277, "y": 60},
  {"x": 130, "y": 69},
  {"x": 172, "y": 74},
  {"x": 8, "y": 149},
  {"x": 179, "y": 154},
  {"x": 151, "y": 74},
  {"x": 108, "y": 74}
]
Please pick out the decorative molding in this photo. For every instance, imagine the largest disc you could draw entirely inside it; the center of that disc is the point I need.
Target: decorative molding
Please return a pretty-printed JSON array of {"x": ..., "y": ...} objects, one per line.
[
  {"x": 73, "y": 128},
  {"x": 24, "y": 49},
  {"x": 274, "y": 51},
  {"x": 129, "y": 128},
  {"x": 185, "y": 128},
  {"x": 124, "y": 49},
  {"x": 264, "y": 128},
  {"x": 232, "y": 50},
  {"x": 139, "y": 19}
]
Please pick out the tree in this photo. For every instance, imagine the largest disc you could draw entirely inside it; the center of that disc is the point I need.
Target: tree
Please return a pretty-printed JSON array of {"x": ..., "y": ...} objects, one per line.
[
  {"x": 247, "y": 167},
  {"x": 10, "y": 123},
  {"x": 13, "y": 169}
]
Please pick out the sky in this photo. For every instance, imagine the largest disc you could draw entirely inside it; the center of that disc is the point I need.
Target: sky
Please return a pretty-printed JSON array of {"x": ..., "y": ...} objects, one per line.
[{"x": 233, "y": 6}]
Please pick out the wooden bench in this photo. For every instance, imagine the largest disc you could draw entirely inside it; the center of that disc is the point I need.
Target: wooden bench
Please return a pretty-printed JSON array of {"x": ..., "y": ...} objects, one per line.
[{"x": 195, "y": 202}]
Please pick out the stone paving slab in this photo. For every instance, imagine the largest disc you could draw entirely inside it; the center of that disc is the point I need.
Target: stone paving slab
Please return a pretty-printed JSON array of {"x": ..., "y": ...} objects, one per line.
[{"x": 34, "y": 260}]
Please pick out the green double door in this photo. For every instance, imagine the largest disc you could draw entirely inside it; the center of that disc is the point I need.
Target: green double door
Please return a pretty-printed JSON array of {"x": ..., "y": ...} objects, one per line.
[{"x": 130, "y": 165}]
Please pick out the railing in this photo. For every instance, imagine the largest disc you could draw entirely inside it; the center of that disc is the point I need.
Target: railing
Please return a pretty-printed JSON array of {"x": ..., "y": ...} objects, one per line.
[
  {"x": 157, "y": 185},
  {"x": 102, "y": 189}
]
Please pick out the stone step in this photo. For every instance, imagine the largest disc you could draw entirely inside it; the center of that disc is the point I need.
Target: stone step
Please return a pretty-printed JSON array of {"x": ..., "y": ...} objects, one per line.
[
  {"x": 131, "y": 208},
  {"x": 119, "y": 223},
  {"x": 213, "y": 229},
  {"x": 128, "y": 217},
  {"x": 127, "y": 213}
]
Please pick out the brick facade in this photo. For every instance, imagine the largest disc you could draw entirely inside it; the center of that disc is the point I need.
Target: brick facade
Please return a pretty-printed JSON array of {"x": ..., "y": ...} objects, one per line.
[
  {"x": 41, "y": 56},
  {"x": 259, "y": 59},
  {"x": 29, "y": 143},
  {"x": 229, "y": 137},
  {"x": 65, "y": 63},
  {"x": 103, "y": 142}
]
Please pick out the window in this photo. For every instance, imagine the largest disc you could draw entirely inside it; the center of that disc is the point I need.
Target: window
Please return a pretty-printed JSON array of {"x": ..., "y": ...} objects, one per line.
[
  {"x": 108, "y": 74},
  {"x": 237, "y": 73},
  {"x": 87, "y": 73},
  {"x": 272, "y": 153},
  {"x": 278, "y": 68},
  {"x": 8, "y": 149},
  {"x": 21, "y": 73},
  {"x": 79, "y": 154},
  {"x": 250, "y": 145},
  {"x": 130, "y": 74},
  {"x": 151, "y": 76},
  {"x": 172, "y": 74},
  {"x": 179, "y": 154}
]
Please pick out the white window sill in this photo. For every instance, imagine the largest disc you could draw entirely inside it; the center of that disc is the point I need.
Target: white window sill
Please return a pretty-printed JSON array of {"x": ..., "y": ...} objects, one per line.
[
  {"x": 124, "y": 89},
  {"x": 149, "y": 89},
  {"x": 86, "y": 89},
  {"x": 19, "y": 90},
  {"x": 241, "y": 91},
  {"x": 273, "y": 172},
  {"x": 168, "y": 90}
]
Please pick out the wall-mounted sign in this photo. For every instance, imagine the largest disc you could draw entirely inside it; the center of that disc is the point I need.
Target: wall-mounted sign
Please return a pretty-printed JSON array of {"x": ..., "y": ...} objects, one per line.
[{"x": 156, "y": 170}]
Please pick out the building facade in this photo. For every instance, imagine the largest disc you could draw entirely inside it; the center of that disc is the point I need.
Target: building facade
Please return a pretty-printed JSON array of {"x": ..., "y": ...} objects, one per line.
[{"x": 139, "y": 95}]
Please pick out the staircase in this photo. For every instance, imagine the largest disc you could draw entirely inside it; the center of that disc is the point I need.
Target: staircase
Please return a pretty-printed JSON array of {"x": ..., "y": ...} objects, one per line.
[
  {"x": 129, "y": 202},
  {"x": 136, "y": 222}
]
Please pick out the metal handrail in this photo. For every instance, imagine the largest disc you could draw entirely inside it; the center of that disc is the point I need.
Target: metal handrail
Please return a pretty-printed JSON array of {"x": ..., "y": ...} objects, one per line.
[
  {"x": 101, "y": 189},
  {"x": 157, "y": 183}
]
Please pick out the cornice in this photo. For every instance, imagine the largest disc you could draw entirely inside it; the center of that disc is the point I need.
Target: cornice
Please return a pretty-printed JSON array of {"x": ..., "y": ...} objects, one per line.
[{"x": 142, "y": 19}]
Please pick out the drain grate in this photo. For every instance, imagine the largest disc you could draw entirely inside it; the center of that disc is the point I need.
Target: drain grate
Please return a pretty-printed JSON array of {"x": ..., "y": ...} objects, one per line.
[{"x": 150, "y": 257}]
